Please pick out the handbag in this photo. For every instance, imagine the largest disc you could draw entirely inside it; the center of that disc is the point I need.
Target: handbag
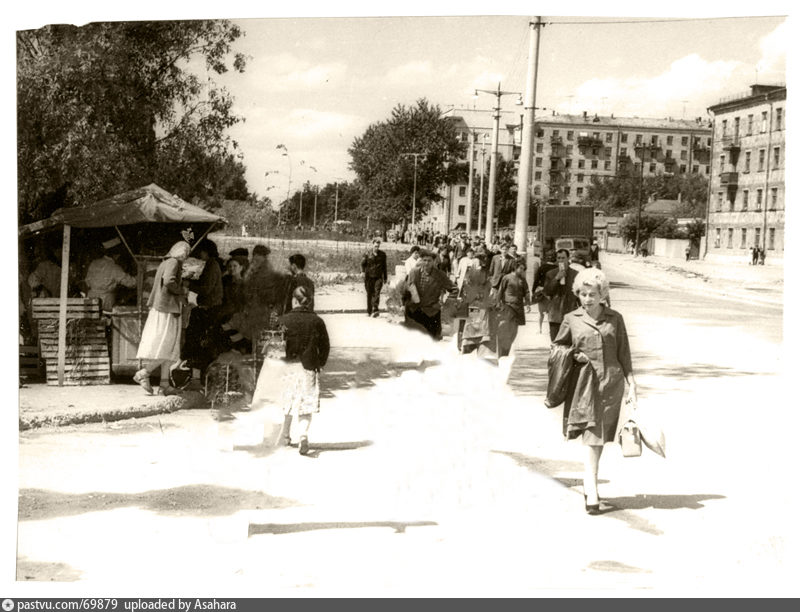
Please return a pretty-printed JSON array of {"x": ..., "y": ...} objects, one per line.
[{"x": 630, "y": 439}]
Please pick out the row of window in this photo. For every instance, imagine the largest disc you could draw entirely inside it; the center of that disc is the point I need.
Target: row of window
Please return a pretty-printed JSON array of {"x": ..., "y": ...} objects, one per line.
[
  {"x": 745, "y": 203},
  {"x": 744, "y": 233},
  {"x": 537, "y": 190},
  {"x": 749, "y": 123},
  {"x": 624, "y": 137},
  {"x": 595, "y": 165},
  {"x": 762, "y": 156}
]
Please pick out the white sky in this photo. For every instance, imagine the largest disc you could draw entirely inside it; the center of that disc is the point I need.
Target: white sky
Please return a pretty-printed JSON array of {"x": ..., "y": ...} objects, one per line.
[{"x": 314, "y": 84}]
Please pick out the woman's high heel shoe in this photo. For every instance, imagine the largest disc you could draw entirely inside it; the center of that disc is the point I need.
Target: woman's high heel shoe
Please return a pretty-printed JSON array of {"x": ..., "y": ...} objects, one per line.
[{"x": 594, "y": 509}]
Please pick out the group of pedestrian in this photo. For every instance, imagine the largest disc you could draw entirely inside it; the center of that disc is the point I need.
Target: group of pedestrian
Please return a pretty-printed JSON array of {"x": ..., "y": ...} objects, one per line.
[{"x": 757, "y": 255}]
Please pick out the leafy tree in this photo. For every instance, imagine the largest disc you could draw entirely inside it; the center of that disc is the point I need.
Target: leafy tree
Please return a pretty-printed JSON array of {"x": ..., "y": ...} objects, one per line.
[
  {"x": 619, "y": 194},
  {"x": 377, "y": 156},
  {"x": 647, "y": 227},
  {"x": 695, "y": 230},
  {"x": 505, "y": 201},
  {"x": 111, "y": 106}
]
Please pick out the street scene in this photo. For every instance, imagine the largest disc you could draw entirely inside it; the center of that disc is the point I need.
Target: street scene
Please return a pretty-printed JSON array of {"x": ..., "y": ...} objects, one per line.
[{"x": 510, "y": 325}]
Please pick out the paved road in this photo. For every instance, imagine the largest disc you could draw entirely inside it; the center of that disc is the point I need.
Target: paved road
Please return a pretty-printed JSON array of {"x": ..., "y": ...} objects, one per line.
[{"x": 441, "y": 479}]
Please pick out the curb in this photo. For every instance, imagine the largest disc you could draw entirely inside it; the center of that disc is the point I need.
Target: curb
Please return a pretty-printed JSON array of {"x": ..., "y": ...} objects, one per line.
[{"x": 165, "y": 406}]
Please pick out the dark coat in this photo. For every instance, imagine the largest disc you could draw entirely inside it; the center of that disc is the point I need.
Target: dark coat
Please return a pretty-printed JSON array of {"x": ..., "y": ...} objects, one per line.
[
  {"x": 577, "y": 385},
  {"x": 209, "y": 285},
  {"x": 306, "y": 338},
  {"x": 374, "y": 265},
  {"x": 562, "y": 299}
]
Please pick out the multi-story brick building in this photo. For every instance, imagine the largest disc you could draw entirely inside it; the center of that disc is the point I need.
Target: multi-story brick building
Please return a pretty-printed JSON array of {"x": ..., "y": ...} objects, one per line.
[
  {"x": 570, "y": 149},
  {"x": 747, "y": 196}
]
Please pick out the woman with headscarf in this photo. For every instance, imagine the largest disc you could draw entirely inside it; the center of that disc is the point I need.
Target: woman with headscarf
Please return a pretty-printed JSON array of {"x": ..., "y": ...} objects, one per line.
[
  {"x": 160, "y": 345},
  {"x": 307, "y": 349}
]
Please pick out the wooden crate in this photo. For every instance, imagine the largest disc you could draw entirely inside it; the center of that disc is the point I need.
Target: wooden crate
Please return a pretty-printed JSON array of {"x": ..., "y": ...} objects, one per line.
[
  {"x": 87, "y": 363},
  {"x": 30, "y": 366},
  {"x": 77, "y": 308}
]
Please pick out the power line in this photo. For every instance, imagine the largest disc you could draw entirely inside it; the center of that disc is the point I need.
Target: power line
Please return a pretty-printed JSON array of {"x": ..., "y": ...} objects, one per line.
[{"x": 675, "y": 20}]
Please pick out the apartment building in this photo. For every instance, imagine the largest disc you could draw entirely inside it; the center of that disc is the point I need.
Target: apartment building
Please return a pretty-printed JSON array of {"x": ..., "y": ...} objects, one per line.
[
  {"x": 571, "y": 149},
  {"x": 747, "y": 195}
]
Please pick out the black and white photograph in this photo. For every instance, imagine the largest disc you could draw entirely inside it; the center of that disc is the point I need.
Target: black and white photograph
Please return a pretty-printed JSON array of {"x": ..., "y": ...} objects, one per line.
[{"x": 419, "y": 301}]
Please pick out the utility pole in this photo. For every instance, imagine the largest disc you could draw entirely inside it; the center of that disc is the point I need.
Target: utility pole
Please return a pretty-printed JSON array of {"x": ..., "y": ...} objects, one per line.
[
  {"x": 414, "y": 195},
  {"x": 469, "y": 182},
  {"x": 300, "y": 221},
  {"x": 493, "y": 159},
  {"x": 480, "y": 191},
  {"x": 316, "y": 193},
  {"x": 526, "y": 155}
]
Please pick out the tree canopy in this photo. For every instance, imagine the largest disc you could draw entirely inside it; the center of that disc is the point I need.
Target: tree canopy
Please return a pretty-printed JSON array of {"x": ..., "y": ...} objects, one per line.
[
  {"x": 112, "y": 106},
  {"x": 385, "y": 170},
  {"x": 620, "y": 194}
]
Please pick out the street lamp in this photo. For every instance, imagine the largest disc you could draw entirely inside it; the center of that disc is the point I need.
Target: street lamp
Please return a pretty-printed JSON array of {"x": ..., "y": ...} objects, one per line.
[
  {"x": 289, "y": 185},
  {"x": 498, "y": 93}
]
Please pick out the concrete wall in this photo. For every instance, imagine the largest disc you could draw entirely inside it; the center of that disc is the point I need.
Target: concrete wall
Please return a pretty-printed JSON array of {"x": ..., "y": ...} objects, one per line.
[
  {"x": 674, "y": 249},
  {"x": 616, "y": 244}
]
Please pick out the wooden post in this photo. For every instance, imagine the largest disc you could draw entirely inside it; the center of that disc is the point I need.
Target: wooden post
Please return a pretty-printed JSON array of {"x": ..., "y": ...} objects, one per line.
[{"x": 62, "y": 306}]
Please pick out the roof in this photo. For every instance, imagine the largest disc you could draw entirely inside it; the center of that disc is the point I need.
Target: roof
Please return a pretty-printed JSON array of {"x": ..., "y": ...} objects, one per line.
[
  {"x": 661, "y": 207},
  {"x": 593, "y": 122},
  {"x": 148, "y": 204}
]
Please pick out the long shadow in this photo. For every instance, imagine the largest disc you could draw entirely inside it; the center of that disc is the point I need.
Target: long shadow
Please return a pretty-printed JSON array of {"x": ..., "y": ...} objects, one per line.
[
  {"x": 283, "y": 528},
  {"x": 46, "y": 571},
  {"x": 351, "y": 368},
  {"x": 687, "y": 371},
  {"x": 188, "y": 500},
  {"x": 617, "y": 507}
]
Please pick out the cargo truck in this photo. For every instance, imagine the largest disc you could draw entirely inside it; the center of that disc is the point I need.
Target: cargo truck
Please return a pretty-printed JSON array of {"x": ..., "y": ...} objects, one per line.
[{"x": 558, "y": 226}]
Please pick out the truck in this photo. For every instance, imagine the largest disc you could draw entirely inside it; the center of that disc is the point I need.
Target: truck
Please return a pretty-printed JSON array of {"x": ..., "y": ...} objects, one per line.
[{"x": 560, "y": 226}]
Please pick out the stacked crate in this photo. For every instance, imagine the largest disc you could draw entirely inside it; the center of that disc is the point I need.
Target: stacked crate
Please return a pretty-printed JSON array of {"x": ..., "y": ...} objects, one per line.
[{"x": 86, "y": 360}]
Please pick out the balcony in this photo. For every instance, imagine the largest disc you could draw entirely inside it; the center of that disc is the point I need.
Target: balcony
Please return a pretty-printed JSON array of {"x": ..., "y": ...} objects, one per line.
[
  {"x": 586, "y": 140},
  {"x": 730, "y": 143},
  {"x": 556, "y": 153},
  {"x": 556, "y": 140},
  {"x": 729, "y": 179}
]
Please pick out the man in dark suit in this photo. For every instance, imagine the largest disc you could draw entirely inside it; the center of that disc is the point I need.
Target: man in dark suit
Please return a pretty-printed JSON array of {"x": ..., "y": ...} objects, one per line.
[
  {"x": 374, "y": 267},
  {"x": 558, "y": 287},
  {"x": 502, "y": 264}
]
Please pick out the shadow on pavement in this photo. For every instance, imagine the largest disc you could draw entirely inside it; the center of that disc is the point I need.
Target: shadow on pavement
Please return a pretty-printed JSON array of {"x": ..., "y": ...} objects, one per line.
[
  {"x": 616, "y": 507},
  {"x": 189, "y": 500},
  {"x": 659, "y": 502},
  {"x": 355, "y": 368},
  {"x": 686, "y": 371},
  {"x": 46, "y": 571},
  {"x": 282, "y": 528}
]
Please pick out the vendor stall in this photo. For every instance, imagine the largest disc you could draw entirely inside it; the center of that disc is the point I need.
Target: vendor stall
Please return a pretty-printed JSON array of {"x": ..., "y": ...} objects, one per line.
[{"x": 148, "y": 221}]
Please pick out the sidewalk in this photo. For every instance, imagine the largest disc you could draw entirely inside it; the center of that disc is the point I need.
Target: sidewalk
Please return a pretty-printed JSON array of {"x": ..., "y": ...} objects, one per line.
[{"x": 736, "y": 281}]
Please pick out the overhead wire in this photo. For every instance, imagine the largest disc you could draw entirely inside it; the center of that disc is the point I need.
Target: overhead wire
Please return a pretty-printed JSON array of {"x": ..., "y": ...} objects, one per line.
[{"x": 665, "y": 20}]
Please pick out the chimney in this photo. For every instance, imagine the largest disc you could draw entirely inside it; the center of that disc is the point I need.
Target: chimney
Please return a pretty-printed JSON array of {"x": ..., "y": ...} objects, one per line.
[{"x": 584, "y": 115}]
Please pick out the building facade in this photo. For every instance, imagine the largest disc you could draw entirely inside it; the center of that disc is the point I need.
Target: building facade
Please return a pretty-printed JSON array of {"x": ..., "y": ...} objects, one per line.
[
  {"x": 569, "y": 150},
  {"x": 747, "y": 194}
]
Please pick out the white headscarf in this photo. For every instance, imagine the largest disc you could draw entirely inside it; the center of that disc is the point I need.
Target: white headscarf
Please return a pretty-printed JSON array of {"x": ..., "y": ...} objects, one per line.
[{"x": 180, "y": 250}]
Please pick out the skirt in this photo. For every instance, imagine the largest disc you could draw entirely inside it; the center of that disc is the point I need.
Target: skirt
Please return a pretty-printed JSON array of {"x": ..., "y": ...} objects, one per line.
[
  {"x": 300, "y": 390},
  {"x": 161, "y": 337}
]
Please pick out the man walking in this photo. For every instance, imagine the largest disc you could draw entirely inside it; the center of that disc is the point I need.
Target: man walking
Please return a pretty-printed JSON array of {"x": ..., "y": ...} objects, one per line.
[
  {"x": 512, "y": 298},
  {"x": 558, "y": 287},
  {"x": 501, "y": 265},
  {"x": 375, "y": 274},
  {"x": 426, "y": 284}
]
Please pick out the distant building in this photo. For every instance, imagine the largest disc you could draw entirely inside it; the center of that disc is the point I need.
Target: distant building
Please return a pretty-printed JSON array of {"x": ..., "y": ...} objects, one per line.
[
  {"x": 747, "y": 195},
  {"x": 568, "y": 150}
]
